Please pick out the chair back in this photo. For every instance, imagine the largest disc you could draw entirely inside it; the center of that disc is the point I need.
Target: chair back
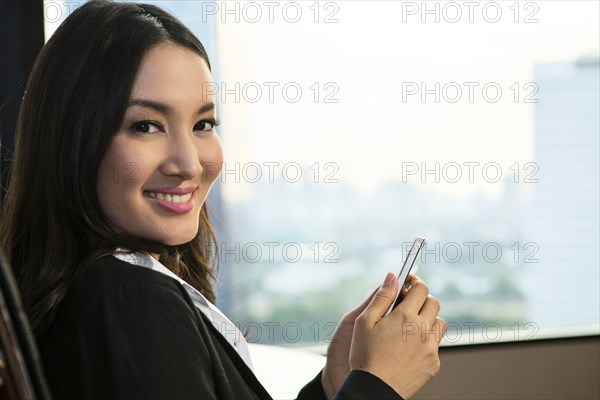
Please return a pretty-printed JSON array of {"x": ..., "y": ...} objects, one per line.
[{"x": 21, "y": 372}]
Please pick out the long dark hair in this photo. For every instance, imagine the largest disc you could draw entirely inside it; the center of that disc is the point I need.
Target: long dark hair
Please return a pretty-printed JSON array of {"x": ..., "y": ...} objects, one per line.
[{"x": 75, "y": 100}]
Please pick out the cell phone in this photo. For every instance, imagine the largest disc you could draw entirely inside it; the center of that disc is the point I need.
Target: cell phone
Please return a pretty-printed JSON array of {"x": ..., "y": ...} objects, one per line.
[{"x": 409, "y": 268}]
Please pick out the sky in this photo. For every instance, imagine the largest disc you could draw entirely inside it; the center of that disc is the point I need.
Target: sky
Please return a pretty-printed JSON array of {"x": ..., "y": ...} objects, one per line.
[
  {"x": 374, "y": 59},
  {"x": 371, "y": 55}
]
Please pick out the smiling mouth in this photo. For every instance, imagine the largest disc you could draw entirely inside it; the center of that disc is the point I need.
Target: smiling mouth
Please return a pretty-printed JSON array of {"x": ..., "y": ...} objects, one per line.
[{"x": 172, "y": 198}]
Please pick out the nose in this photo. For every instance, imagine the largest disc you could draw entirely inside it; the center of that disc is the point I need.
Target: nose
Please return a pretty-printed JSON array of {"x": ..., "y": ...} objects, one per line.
[{"x": 182, "y": 156}]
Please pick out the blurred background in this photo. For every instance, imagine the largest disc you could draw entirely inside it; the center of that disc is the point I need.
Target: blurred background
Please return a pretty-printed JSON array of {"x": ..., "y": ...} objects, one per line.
[{"x": 350, "y": 127}]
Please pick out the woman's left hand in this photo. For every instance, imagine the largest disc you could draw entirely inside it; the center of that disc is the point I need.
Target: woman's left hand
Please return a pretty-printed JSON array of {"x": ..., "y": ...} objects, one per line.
[{"x": 337, "y": 366}]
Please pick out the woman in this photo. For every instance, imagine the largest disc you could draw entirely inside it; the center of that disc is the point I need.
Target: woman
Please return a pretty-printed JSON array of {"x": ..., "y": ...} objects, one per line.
[{"x": 106, "y": 227}]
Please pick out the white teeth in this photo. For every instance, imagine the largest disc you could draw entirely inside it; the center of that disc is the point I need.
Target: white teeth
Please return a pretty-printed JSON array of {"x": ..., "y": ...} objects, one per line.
[{"x": 173, "y": 198}]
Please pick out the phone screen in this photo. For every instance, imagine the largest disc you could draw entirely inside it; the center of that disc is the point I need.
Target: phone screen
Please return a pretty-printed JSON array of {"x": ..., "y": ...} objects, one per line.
[{"x": 410, "y": 266}]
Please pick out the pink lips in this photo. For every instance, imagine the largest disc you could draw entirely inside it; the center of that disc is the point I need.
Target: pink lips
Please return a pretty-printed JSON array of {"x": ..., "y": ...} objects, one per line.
[{"x": 171, "y": 206}]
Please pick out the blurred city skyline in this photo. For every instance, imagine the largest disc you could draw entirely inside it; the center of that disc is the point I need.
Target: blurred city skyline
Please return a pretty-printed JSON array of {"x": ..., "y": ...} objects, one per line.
[
  {"x": 374, "y": 52},
  {"x": 385, "y": 97}
]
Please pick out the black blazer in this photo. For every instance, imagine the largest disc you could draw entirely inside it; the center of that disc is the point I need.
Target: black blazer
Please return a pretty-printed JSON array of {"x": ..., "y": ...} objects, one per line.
[{"x": 127, "y": 332}]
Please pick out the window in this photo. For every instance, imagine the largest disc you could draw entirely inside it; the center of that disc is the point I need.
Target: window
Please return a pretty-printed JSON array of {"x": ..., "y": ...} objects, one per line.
[
  {"x": 351, "y": 127},
  {"x": 474, "y": 125}
]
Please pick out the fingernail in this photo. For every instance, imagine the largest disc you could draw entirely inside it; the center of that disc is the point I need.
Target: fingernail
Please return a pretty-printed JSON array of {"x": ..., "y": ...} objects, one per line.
[{"x": 389, "y": 278}]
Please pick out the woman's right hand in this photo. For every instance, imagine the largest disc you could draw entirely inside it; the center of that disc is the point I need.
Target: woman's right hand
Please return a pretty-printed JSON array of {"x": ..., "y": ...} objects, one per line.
[{"x": 402, "y": 347}]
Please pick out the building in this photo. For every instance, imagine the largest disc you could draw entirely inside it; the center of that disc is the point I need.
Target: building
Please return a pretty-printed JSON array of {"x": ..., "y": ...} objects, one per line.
[{"x": 564, "y": 284}]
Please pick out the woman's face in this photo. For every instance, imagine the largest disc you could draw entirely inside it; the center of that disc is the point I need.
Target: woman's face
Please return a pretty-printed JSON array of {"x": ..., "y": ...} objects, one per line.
[{"x": 165, "y": 156}]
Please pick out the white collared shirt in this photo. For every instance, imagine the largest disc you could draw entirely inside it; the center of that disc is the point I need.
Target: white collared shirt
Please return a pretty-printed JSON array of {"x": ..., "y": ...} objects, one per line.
[{"x": 229, "y": 331}]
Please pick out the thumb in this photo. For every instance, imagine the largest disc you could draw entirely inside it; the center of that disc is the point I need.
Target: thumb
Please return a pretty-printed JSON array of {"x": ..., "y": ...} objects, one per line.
[
  {"x": 383, "y": 299},
  {"x": 352, "y": 315}
]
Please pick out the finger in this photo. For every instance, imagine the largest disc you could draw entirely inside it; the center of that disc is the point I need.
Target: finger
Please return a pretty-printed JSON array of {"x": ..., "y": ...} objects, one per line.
[
  {"x": 410, "y": 279},
  {"x": 416, "y": 296},
  {"x": 382, "y": 300},
  {"x": 413, "y": 279},
  {"x": 430, "y": 310},
  {"x": 439, "y": 326},
  {"x": 406, "y": 286},
  {"x": 353, "y": 314},
  {"x": 366, "y": 302}
]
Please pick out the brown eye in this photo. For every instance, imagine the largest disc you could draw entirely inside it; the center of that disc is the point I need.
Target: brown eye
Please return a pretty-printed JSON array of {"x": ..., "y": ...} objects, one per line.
[
  {"x": 145, "y": 127},
  {"x": 206, "y": 125}
]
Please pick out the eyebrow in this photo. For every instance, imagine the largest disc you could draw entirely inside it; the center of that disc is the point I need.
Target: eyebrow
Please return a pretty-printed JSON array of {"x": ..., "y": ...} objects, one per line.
[{"x": 164, "y": 108}]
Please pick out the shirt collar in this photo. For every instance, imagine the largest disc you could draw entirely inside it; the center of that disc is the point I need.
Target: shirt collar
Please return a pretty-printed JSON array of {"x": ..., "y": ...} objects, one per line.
[{"x": 146, "y": 260}]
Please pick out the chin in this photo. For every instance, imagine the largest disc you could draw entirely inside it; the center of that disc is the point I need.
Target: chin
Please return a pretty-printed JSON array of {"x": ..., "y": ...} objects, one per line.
[{"x": 176, "y": 240}]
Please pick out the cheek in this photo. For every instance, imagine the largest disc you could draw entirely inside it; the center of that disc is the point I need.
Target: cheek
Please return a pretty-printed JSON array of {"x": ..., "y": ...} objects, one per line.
[
  {"x": 211, "y": 159},
  {"x": 111, "y": 173},
  {"x": 106, "y": 181},
  {"x": 108, "y": 188},
  {"x": 124, "y": 164},
  {"x": 119, "y": 174}
]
